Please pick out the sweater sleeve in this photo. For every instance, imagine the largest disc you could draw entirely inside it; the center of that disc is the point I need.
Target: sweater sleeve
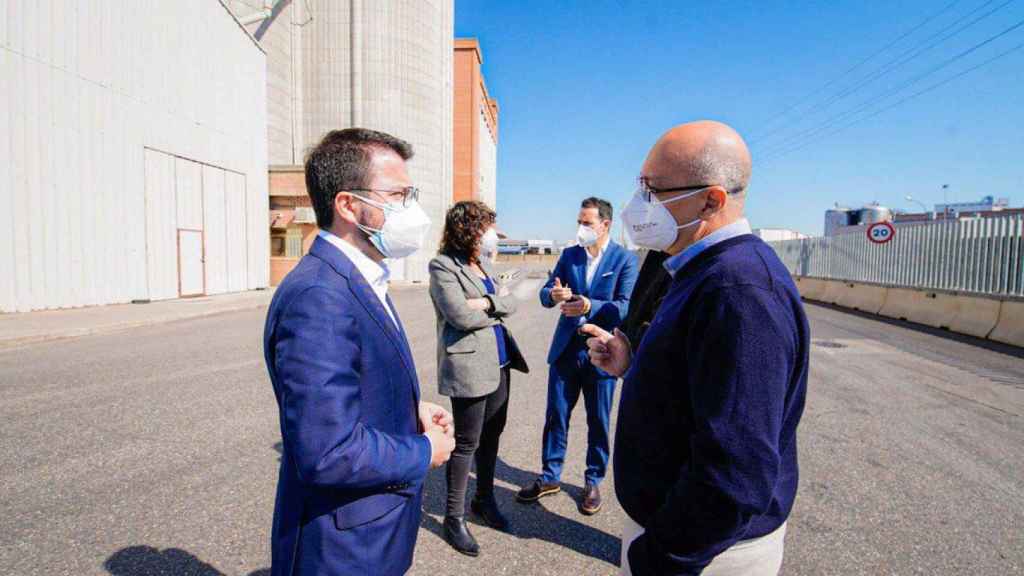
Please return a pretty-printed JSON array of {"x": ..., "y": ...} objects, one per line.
[{"x": 739, "y": 362}]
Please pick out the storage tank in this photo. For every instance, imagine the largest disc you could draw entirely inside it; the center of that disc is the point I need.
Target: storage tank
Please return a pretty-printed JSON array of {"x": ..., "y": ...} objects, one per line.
[
  {"x": 874, "y": 213},
  {"x": 836, "y": 218}
]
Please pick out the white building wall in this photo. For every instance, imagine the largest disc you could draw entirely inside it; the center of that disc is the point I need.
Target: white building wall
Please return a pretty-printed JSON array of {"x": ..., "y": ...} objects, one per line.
[
  {"x": 487, "y": 155},
  {"x": 777, "y": 234},
  {"x": 94, "y": 95}
]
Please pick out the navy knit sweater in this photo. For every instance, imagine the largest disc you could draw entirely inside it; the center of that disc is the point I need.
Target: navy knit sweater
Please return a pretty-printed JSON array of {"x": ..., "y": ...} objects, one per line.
[{"x": 705, "y": 447}]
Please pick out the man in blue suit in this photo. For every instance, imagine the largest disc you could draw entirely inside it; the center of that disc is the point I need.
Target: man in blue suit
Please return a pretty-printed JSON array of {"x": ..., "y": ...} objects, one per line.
[
  {"x": 592, "y": 283},
  {"x": 358, "y": 442}
]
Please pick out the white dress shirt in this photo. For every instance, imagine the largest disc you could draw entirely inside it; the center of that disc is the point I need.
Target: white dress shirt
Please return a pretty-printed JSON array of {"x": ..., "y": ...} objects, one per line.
[
  {"x": 376, "y": 274},
  {"x": 594, "y": 261}
]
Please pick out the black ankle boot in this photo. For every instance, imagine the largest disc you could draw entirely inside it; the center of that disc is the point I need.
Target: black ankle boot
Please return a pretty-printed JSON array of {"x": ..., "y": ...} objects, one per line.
[
  {"x": 486, "y": 507},
  {"x": 456, "y": 533}
]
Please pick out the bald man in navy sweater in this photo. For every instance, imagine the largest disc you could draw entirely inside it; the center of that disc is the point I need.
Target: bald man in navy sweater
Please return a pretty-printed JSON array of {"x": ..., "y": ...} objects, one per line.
[{"x": 705, "y": 455}]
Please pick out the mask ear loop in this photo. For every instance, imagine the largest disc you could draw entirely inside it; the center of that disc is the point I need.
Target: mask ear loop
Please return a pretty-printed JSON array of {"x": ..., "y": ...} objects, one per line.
[
  {"x": 373, "y": 203},
  {"x": 680, "y": 197}
]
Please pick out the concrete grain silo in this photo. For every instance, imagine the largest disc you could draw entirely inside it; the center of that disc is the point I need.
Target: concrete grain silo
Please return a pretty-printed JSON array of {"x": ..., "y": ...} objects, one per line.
[{"x": 385, "y": 65}]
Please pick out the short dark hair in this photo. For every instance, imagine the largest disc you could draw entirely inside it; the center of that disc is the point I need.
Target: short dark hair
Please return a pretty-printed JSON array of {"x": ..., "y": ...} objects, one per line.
[
  {"x": 464, "y": 224},
  {"x": 604, "y": 207},
  {"x": 339, "y": 163}
]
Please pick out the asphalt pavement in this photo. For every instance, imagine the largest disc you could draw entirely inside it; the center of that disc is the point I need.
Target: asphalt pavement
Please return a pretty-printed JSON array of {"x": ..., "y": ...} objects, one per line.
[{"x": 154, "y": 450}]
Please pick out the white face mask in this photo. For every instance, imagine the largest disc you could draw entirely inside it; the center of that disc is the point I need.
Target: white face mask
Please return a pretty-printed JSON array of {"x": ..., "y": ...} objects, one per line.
[
  {"x": 586, "y": 236},
  {"x": 489, "y": 242},
  {"x": 403, "y": 231},
  {"x": 650, "y": 224}
]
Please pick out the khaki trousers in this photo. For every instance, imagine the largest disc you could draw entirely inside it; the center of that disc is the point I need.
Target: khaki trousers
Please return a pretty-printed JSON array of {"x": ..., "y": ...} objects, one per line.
[{"x": 755, "y": 557}]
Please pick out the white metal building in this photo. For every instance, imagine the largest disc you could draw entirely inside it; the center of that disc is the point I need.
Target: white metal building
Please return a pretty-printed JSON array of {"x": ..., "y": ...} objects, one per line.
[
  {"x": 133, "y": 153},
  {"x": 384, "y": 65},
  {"x": 777, "y": 234}
]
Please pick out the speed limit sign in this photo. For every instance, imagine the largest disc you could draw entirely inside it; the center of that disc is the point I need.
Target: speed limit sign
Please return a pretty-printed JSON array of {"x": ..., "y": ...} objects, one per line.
[{"x": 881, "y": 232}]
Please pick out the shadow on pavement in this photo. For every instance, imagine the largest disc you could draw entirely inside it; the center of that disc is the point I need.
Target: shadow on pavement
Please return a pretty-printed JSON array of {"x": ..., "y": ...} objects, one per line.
[
  {"x": 150, "y": 561},
  {"x": 529, "y": 521}
]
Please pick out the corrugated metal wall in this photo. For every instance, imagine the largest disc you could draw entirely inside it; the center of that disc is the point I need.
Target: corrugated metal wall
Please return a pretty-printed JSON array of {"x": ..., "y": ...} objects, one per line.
[
  {"x": 978, "y": 256},
  {"x": 102, "y": 102}
]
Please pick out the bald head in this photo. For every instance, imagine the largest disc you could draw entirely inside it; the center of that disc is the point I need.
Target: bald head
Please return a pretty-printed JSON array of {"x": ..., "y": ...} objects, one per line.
[{"x": 700, "y": 153}]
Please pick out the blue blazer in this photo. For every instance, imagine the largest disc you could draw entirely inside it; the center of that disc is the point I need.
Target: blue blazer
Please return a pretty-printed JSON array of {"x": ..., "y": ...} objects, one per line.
[
  {"x": 608, "y": 293},
  {"x": 352, "y": 469}
]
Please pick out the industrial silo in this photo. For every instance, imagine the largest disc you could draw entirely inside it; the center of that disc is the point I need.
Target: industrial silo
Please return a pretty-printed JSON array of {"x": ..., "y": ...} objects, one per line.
[
  {"x": 873, "y": 213},
  {"x": 836, "y": 219},
  {"x": 342, "y": 63},
  {"x": 386, "y": 66}
]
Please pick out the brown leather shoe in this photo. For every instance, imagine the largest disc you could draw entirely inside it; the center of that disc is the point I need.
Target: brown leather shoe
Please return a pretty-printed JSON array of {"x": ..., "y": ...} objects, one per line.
[{"x": 590, "y": 504}]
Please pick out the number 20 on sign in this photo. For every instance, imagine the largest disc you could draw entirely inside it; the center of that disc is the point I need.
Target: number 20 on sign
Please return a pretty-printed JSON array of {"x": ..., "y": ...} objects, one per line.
[{"x": 881, "y": 232}]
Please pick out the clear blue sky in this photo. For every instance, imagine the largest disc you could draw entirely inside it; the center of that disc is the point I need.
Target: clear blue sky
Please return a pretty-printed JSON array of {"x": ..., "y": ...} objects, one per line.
[{"x": 585, "y": 87}]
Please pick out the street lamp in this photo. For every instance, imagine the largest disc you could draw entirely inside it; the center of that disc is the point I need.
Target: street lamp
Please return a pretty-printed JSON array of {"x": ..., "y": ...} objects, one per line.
[{"x": 910, "y": 198}]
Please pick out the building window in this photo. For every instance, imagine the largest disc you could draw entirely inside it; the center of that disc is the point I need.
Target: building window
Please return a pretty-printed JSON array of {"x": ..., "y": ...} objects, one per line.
[
  {"x": 293, "y": 243},
  {"x": 277, "y": 244}
]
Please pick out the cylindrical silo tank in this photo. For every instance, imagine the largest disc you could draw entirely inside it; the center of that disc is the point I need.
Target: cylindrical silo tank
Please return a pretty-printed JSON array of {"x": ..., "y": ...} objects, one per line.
[
  {"x": 875, "y": 213},
  {"x": 835, "y": 219},
  {"x": 386, "y": 66}
]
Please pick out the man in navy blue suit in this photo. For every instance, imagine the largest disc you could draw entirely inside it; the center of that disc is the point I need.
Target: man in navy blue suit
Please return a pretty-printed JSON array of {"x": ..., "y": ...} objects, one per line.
[
  {"x": 592, "y": 283},
  {"x": 358, "y": 442}
]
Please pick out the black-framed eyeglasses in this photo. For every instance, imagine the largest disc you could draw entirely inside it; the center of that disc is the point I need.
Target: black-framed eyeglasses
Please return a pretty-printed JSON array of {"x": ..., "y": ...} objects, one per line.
[
  {"x": 647, "y": 191},
  {"x": 410, "y": 194}
]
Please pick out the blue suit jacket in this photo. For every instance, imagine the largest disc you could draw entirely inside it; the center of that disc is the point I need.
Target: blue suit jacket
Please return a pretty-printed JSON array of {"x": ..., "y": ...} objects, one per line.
[
  {"x": 608, "y": 293},
  {"x": 352, "y": 469}
]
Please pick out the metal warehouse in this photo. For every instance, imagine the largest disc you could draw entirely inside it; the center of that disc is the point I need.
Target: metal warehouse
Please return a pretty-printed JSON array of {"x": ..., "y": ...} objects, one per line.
[{"x": 133, "y": 153}]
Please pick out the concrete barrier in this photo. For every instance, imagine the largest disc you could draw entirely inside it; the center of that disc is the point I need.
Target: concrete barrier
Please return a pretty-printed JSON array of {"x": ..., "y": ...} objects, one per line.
[
  {"x": 935, "y": 309},
  {"x": 998, "y": 320},
  {"x": 521, "y": 258},
  {"x": 810, "y": 288},
  {"x": 965, "y": 314},
  {"x": 863, "y": 297},
  {"x": 833, "y": 290},
  {"x": 903, "y": 303},
  {"x": 975, "y": 316},
  {"x": 1009, "y": 328}
]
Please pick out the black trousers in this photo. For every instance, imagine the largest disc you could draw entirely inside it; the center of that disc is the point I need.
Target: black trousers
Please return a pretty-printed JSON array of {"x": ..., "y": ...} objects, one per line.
[{"x": 478, "y": 426}]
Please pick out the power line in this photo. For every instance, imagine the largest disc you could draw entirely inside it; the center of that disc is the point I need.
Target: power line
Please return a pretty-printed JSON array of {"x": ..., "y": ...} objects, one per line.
[
  {"x": 902, "y": 59},
  {"x": 846, "y": 72},
  {"x": 871, "y": 101},
  {"x": 921, "y": 50},
  {"x": 900, "y": 102}
]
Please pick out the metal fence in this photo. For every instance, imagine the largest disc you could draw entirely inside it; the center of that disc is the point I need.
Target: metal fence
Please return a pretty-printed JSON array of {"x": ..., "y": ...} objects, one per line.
[{"x": 981, "y": 256}]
